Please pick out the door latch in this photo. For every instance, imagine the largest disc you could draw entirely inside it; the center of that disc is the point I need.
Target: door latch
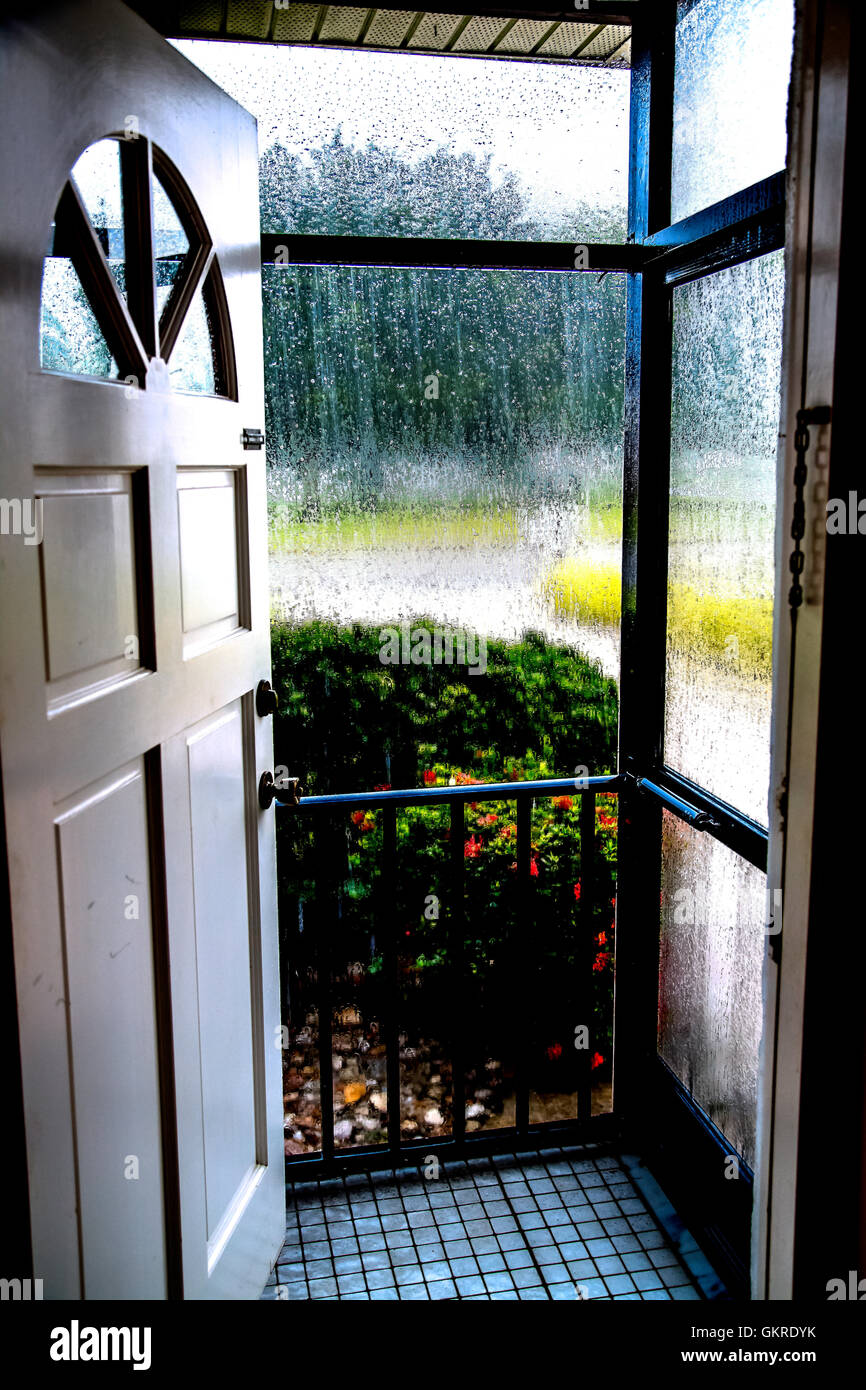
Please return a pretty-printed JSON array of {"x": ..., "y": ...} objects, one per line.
[
  {"x": 252, "y": 439},
  {"x": 287, "y": 790}
]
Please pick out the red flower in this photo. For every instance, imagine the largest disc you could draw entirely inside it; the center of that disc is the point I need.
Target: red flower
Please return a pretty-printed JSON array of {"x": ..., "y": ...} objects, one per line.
[
  {"x": 606, "y": 822},
  {"x": 601, "y": 939},
  {"x": 358, "y": 817},
  {"x": 601, "y": 961},
  {"x": 382, "y": 787},
  {"x": 490, "y": 819},
  {"x": 563, "y": 803},
  {"x": 472, "y": 848},
  {"x": 577, "y": 891},
  {"x": 429, "y": 777},
  {"x": 554, "y": 1051},
  {"x": 507, "y": 831},
  {"x": 597, "y": 1060},
  {"x": 533, "y": 867}
]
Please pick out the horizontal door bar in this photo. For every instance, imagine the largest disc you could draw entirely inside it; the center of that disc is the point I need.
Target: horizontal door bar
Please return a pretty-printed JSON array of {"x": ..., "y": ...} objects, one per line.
[
  {"x": 700, "y": 820},
  {"x": 766, "y": 196},
  {"x": 295, "y": 248},
  {"x": 473, "y": 791},
  {"x": 705, "y": 812}
]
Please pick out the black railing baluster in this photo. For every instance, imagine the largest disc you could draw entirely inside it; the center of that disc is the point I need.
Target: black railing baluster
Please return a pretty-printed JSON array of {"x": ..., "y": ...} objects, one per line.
[
  {"x": 456, "y": 914},
  {"x": 585, "y": 954},
  {"x": 392, "y": 987},
  {"x": 326, "y": 914},
  {"x": 519, "y": 947},
  {"x": 519, "y": 958}
]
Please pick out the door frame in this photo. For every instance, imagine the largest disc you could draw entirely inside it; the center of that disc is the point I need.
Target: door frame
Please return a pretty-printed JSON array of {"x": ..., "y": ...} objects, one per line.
[{"x": 801, "y": 1240}]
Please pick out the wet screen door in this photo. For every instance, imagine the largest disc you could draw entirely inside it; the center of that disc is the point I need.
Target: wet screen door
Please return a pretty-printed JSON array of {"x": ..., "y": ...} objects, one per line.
[
  {"x": 706, "y": 331},
  {"x": 444, "y": 378},
  {"x": 135, "y": 630}
]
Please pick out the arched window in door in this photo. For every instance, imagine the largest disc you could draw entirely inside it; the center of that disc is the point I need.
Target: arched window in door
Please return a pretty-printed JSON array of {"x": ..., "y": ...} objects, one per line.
[{"x": 131, "y": 286}]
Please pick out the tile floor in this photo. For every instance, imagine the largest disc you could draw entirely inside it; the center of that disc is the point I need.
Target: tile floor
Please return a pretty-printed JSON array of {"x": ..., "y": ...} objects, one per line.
[{"x": 557, "y": 1224}]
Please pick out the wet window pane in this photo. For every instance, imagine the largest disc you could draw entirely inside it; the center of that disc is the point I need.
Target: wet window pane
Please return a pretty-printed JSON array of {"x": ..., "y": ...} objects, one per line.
[
  {"x": 191, "y": 365},
  {"x": 70, "y": 339},
  {"x": 414, "y": 145},
  {"x": 712, "y": 947},
  {"x": 733, "y": 63},
  {"x": 727, "y": 335},
  {"x": 170, "y": 243},
  {"x": 446, "y": 447},
  {"x": 97, "y": 177}
]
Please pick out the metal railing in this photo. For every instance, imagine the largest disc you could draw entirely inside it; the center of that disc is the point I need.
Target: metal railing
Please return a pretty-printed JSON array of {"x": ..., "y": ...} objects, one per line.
[{"x": 328, "y": 808}]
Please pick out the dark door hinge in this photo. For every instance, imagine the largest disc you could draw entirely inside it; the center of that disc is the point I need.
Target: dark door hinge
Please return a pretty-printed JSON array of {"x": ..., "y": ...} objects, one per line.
[{"x": 252, "y": 439}]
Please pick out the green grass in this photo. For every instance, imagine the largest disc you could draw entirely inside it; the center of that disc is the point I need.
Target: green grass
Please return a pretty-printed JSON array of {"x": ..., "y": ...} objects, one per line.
[
  {"x": 585, "y": 590},
  {"x": 396, "y": 528},
  {"x": 701, "y": 624}
]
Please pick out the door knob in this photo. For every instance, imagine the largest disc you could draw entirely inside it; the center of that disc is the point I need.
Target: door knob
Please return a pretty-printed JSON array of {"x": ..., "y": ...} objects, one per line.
[
  {"x": 287, "y": 790},
  {"x": 266, "y": 699}
]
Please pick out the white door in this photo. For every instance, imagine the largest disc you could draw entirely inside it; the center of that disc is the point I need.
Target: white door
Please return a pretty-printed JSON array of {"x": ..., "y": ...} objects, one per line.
[{"x": 134, "y": 619}]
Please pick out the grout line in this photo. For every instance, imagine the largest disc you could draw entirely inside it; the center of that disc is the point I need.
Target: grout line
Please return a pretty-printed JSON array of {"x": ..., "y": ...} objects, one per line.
[
  {"x": 672, "y": 1225},
  {"x": 531, "y": 1250}
]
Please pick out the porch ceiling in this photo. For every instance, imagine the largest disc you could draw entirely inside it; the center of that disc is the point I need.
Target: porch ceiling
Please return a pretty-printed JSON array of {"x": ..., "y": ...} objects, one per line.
[{"x": 539, "y": 34}]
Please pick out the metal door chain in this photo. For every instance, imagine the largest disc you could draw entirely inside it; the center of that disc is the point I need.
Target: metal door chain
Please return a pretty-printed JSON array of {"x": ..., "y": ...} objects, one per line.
[{"x": 817, "y": 415}]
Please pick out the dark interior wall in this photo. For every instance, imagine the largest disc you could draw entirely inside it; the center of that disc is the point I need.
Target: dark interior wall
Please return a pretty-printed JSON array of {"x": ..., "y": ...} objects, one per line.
[
  {"x": 831, "y": 1199},
  {"x": 15, "y": 1252}
]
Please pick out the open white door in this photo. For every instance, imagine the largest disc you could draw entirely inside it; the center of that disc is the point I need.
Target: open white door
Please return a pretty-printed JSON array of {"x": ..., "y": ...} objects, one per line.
[{"x": 134, "y": 614}]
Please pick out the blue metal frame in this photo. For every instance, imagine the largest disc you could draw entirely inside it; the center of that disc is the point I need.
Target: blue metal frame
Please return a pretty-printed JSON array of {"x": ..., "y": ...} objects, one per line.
[{"x": 738, "y": 228}]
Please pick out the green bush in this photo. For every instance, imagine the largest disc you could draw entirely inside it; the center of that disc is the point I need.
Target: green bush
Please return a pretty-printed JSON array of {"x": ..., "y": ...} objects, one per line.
[{"x": 346, "y": 722}]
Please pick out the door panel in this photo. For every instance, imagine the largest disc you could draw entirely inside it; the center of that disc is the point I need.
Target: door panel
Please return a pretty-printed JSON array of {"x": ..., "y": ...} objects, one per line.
[
  {"x": 208, "y": 522},
  {"x": 88, "y": 543},
  {"x": 134, "y": 636},
  {"x": 220, "y": 884},
  {"x": 103, "y": 852},
  {"x": 213, "y": 892}
]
